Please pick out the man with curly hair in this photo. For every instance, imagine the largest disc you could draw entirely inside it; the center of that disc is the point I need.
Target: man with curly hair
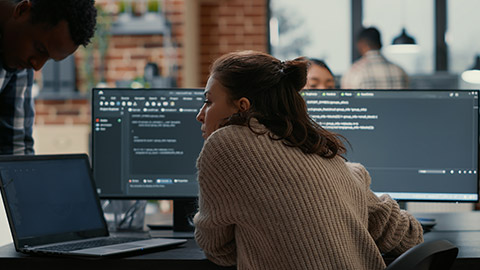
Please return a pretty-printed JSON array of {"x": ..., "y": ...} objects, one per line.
[{"x": 32, "y": 32}]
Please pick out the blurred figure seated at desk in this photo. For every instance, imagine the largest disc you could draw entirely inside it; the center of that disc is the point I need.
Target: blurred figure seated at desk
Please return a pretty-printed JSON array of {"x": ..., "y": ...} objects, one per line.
[
  {"x": 275, "y": 191},
  {"x": 319, "y": 76}
]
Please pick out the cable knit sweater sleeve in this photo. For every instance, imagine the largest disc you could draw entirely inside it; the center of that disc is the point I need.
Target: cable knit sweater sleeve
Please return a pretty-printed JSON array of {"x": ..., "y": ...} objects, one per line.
[
  {"x": 214, "y": 231},
  {"x": 394, "y": 230}
]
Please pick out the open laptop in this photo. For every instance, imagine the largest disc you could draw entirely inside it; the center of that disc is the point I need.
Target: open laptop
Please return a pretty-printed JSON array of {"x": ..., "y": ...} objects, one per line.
[{"x": 53, "y": 208}]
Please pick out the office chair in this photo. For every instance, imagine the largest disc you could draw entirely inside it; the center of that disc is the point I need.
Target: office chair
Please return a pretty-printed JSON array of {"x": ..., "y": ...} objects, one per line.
[{"x": 438, "y": 255}]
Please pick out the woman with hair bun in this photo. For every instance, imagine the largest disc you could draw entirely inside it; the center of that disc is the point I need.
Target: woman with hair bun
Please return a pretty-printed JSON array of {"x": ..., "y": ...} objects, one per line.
[{"x": 275, "y": 191}]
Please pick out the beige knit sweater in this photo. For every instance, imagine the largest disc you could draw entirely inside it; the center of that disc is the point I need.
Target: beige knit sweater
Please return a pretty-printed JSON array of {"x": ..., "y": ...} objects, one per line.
[{"x": 264, "y": 205}]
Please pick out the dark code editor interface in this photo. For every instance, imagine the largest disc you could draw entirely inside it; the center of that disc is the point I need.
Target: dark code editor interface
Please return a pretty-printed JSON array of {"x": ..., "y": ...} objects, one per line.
[
  {"x": 146, "y": 142},
  {"x": 416, "y": 145}
]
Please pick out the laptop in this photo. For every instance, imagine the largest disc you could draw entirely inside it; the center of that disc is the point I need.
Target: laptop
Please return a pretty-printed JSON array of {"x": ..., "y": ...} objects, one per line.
[{"x": 53, "y": 208}]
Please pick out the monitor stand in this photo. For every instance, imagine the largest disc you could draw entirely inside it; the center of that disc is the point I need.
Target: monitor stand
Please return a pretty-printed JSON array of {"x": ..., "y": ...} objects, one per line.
[{"x": 183, "y": 227}]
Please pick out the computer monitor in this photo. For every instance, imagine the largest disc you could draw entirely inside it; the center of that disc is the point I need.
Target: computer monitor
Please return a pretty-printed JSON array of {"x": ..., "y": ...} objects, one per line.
[
  {"x": 145, "y": 143},
  {"x": 418, "y": 145}
]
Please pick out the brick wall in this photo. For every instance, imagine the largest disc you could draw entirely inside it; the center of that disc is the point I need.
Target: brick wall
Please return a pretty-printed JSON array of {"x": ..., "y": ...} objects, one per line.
[
  {"x": 62, "y": 112},
  {"x": 225, "y": 26},
  {"x": 231, "y": 25},
  {"x": 127, "y": 55}
]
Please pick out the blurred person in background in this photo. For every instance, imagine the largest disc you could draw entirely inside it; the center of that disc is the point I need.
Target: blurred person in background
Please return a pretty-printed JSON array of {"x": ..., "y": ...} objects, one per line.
[
  {"x": 373, "y": 70},
  {"x": 319, "y": 76}
]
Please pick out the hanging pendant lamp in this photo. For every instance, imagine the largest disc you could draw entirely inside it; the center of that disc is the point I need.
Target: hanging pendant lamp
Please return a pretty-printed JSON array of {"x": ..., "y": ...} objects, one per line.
[
  {"x": 472, "y": 75},
  {"x": 404, "y": 43},
  {"x": 404, "y": 39}
]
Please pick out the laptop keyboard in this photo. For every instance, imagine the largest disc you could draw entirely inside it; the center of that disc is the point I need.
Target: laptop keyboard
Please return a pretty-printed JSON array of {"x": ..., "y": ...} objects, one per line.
[{"x": 90, "y": 244}]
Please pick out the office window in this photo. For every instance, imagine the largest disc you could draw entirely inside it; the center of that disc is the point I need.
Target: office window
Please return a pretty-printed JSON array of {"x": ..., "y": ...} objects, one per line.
[
  {"x": 463, "y": 36},
  {"x": 312, "y": 28},
  {"x": 390, "y": 16}
]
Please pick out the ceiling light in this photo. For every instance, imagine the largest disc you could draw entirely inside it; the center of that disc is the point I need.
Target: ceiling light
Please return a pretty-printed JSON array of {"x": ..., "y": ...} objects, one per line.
[{"x": 472, "y": 75}]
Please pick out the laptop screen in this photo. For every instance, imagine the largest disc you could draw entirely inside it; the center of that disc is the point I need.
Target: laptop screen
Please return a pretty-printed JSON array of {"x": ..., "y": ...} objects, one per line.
[{"x": 49, "y": 195}]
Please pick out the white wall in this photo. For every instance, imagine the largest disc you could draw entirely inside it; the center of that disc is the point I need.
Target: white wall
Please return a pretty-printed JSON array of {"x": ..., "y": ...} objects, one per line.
[
  {"x": 61, "y": 139},
  {"x": 5, "y": 236}
]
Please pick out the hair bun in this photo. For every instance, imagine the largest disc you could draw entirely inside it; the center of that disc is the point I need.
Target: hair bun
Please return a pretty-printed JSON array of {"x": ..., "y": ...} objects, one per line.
[{"x": 295, "y": 71}]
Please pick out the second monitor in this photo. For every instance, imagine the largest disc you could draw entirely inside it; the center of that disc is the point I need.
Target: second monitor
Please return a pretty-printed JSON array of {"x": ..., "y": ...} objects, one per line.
[{"x": 418, "y": 145}]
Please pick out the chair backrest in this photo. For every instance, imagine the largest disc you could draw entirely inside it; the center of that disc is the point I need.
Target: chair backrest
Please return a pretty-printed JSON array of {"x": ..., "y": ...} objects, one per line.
[{"x": 438, "y": 255}]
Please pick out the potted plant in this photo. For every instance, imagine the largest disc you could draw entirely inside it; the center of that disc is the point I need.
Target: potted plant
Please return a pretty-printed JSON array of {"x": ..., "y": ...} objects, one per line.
[
  {"x": 153, "y": 9},
  {"x": 125, "y": 8}
]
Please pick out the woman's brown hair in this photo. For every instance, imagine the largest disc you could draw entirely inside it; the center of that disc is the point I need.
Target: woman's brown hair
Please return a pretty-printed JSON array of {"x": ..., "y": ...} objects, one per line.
[{"x": 272, "y": 87}]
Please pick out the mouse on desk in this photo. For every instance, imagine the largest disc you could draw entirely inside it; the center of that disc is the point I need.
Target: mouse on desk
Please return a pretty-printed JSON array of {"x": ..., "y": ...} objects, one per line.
[{"x": 427, "y": 223}]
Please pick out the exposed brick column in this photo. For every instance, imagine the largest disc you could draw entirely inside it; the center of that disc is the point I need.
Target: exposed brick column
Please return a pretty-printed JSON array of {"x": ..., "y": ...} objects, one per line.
[{"x": 231, "y": 25}]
